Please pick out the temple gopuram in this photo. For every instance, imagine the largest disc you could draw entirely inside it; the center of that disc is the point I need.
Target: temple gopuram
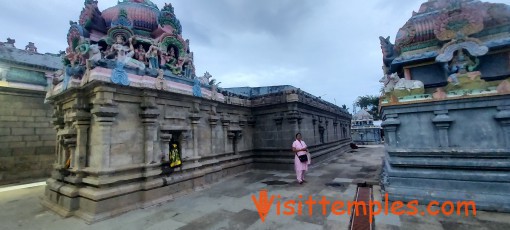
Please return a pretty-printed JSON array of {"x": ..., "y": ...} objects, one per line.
[
  {"x": 446, "y": 105},
  {"x": 137, "y": 127}
]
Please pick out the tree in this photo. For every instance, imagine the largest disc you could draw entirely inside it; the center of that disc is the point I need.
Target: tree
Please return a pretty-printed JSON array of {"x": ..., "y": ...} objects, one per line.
[
  {"x": 371, "y": 103},
  {"x": 213, "y": 82}
]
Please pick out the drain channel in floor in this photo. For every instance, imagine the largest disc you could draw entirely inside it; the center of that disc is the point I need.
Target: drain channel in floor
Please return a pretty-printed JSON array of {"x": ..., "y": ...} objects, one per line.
[{"x": 362, "y": 220}]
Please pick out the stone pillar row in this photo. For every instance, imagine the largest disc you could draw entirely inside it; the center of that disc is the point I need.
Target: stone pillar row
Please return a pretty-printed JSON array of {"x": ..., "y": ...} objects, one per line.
[
  {"x": 443, "y": 121},
  {"x": 74, "y": 121}
]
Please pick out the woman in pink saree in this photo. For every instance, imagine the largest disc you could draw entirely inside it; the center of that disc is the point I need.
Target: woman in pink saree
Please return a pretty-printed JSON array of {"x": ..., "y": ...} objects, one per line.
[{"x": 300, "y": 148}]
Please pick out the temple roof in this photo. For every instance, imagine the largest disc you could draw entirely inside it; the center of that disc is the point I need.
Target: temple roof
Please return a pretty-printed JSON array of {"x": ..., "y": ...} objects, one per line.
[
  {"x": 362, "y": 115},
  {"x": 142, "y": 2},
  {"x": 259, "y": 91},
  {"x": 439, "y": 21},
  {"x": 143, "y": 14},
  {"x": 12, "y": 54}
]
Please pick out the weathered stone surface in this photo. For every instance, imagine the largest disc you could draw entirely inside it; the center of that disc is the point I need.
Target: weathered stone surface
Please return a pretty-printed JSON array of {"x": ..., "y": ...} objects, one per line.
[
  {"x": 123, "y": 152},
  {"x": 438, "y": 151},
  {"x": 22, "y": 135}
]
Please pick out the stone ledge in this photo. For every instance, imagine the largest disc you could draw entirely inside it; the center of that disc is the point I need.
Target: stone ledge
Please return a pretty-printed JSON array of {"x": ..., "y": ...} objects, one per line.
[
  {"x": 487, "y": 164},
  {"x": 447, "y": 152}
]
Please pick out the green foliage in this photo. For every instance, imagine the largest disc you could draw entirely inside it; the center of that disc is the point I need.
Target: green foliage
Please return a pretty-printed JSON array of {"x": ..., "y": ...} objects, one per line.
[
  {"x": 371, "y": 103},
  {"x": 213, "y": 82}
]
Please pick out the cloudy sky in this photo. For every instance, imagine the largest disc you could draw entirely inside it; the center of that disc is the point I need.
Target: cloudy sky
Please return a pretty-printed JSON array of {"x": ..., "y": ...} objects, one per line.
[{"x": 329, "y": 48}]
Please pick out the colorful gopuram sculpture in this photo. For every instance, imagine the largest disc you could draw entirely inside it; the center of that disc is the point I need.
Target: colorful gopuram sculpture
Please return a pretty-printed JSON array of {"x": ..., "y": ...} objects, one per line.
[
  {"x": 446, "y": 105},
  {"x": 133, "y": 37},
  {"x": 448, "y": 49}
]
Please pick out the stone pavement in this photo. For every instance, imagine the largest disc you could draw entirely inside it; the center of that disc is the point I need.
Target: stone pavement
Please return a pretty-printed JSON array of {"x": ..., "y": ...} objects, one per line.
[{"x": 229, "y": 205}]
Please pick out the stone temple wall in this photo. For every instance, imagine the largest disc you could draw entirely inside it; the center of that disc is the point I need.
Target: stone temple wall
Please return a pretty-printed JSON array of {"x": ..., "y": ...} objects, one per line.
[
  {"x": 116, "y": 118},
  {"x": 277, "y": 126},
  {"x": 27, "y": 137},
  {"x": 116, "y": 140},
  {"x": 455, "y": 150},
  {"x": 366, "y": 135},
  {"x": 446, "y": 106}
]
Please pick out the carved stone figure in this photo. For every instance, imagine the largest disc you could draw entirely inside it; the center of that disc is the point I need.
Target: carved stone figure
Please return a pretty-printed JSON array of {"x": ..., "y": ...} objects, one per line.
[
  {"x": 175, "y": 156},
  {"x": 94, "y": 53},
  {"x": 204, "y": 80},
  {"x": 170, "y": 60},
  {"x": 140, "y": 54},
  {"x": 394, "y": 82},
  {"x": 197, "y": 90},
  {"x": 125, "y": 54},
  {"x": 31, "y": 47},
  {"x": 10, "y": 43},
  {"x": 160, "y": 81},
  {"x": 153, "y": 55},
  {"x": 389, "y": 52}
]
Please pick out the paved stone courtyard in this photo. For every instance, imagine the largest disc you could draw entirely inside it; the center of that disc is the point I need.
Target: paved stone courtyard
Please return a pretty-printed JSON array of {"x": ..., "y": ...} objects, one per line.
[{"x": 228, "y": 204}]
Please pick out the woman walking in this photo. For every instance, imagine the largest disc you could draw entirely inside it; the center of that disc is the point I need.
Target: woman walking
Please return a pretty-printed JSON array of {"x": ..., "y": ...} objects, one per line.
[{"x": 299, "y": 148}]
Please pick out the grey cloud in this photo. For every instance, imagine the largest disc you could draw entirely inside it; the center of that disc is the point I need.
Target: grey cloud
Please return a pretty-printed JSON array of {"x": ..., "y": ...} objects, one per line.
[
  {"x": 262, "y": 16},
  {"x": 323, "y": 47}
]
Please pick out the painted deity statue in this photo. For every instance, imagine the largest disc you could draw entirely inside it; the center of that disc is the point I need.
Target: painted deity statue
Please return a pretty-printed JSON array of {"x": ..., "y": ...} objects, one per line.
[
  {"x": 188, "y": 67},
  {"x": 140, "y": 54},
  {"x": 461, "y": 64},
  {"x": 125, "y": 54},
  {"x": 170, "y": 61},
  {"x": 174, "y": 156},
  {"x": 153, "y": 55}
]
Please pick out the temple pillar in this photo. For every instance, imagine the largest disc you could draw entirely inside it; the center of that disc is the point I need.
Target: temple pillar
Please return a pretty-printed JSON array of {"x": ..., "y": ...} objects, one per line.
[
  {"x": 225, "y": 122},
  {"x": 149, "y": 116},
  {"x": 390, "y": 125},
  {"x": 213, "y": 121},
  {"x": 165, "y": 138},
  {"x": 503, "y": 116},
  {"x": 58, "y": 122},
  {"x": 294, "y": 119},
  {"x": 195, "y": 120},
  {"x": 442, "y": 121},
  {"x": 104, "y": 112},
  {"x": 79, "y": 144},
  {"x": 81, "y": 141}
]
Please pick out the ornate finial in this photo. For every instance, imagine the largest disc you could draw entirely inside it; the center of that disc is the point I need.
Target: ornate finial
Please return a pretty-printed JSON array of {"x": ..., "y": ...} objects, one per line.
[
  {"x": 122, "y": 20},
  {"x": 10, "y": 43},
  {"x": 31, "y": 47},
  {"x": 88, "y": 2},
  {"x": 168, "y": 7}
]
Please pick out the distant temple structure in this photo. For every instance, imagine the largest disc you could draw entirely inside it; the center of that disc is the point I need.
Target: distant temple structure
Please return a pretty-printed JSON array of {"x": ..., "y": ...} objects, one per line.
[
  {"x": 446, "y": 105},
  {"x": 27, "y": 136},
  {"x": 136, "y": 126},
  {"x": 363, "y": 129}
]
